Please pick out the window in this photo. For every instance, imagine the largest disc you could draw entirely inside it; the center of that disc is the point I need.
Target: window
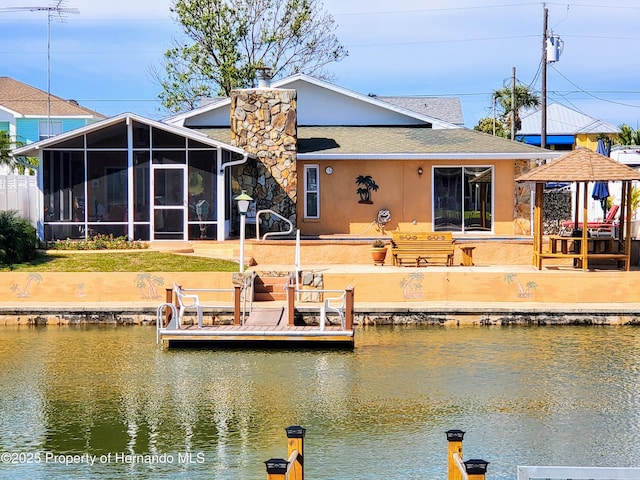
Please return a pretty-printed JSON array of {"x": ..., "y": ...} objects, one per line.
[
  {"x": 48, "y": 129},
  {"x": 462, "y": 198},
  {"x": 311, "y": 191}
]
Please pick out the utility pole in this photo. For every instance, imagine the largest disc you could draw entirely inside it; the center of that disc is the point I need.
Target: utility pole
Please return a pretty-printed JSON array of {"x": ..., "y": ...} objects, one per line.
[
  {"x": 513, "y": 103},
  {"x": 59, "y": 9},
  {"x": 543, "y": 107}
]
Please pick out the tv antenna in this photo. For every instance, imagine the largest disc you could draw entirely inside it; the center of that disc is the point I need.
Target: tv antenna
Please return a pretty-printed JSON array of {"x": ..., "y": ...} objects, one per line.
[{"x": 58, "y": 9}]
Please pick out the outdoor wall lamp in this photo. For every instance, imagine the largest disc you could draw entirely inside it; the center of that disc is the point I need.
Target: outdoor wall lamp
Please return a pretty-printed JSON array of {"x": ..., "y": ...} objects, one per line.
[
  {"x": 243, "y": 205},
  {"x": 420, "y": 171}
]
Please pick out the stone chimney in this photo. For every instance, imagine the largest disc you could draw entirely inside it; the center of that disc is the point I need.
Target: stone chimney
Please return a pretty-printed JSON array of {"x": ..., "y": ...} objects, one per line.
[{"x": 264, "y": 123}]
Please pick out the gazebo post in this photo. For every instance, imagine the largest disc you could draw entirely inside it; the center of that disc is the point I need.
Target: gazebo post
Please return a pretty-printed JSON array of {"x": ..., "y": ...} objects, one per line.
[
  {"x": 538, "y": 226},
  {"x": 584, "y": 247},
  {"x": 626, "y": 189}
]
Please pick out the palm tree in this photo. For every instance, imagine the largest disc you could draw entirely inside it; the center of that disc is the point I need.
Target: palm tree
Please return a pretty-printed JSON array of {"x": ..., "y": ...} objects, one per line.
[
  {"x": 523, "y": 98},
  {"x": 628, "y": 136}
]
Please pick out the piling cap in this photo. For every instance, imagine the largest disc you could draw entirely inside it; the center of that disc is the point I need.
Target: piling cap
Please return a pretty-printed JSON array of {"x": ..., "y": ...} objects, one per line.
[
  {"x": 277, "y": 465},
  {"x": 476, "y": 467},
  {"x": 295, "y": 431},
  {"x": 455, "y": 435}
]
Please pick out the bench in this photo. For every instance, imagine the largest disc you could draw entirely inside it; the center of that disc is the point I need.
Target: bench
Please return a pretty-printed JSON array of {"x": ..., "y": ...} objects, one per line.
[{"x": 422, "y": 247}]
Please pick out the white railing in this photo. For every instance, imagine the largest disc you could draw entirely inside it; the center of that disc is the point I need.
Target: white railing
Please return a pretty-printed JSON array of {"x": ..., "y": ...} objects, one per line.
[
  {"x": 577, "y": 473},
  {"x": 460, "y": 464},
  {"x": 161, "y": 315},
  {"x": 336, "y": 304},
  {"x": 259, "y": 212}
]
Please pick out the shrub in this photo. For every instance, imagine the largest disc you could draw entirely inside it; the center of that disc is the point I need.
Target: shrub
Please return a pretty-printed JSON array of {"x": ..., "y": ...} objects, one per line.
[
  {"x": 18, "y": 240},
  {"x": 98, "y": 242}
]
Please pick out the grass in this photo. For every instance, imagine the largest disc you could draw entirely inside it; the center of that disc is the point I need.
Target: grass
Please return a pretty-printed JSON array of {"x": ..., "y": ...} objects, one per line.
[{"x": 134, "y": 261}]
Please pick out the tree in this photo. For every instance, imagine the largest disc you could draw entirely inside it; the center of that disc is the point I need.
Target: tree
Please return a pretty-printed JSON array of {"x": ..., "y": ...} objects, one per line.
[
  {"x": 486, "y": 125},
  {"x": 628, "y": 136},
  {"x": 523, "y": 98},
  {"x": 227, "y": 40},
  {"x": 6, "y": 145}
]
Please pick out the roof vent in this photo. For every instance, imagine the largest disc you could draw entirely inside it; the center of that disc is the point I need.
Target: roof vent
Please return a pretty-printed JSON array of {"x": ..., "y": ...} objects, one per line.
[{"x": 264, "y": 77}]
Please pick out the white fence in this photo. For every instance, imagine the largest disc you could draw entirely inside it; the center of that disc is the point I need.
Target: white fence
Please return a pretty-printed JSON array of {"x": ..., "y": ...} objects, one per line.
[
  {"x": 577, "y": 473},
  {"x": 20, "y": 193}
]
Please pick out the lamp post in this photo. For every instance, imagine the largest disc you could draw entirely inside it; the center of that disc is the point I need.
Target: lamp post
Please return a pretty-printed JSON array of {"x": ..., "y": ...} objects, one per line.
[{"x": 243, "y": 205}]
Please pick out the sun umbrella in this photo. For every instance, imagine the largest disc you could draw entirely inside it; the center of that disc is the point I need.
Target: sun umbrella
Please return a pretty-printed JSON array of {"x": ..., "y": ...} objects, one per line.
[{"x": 601, "y": 189}]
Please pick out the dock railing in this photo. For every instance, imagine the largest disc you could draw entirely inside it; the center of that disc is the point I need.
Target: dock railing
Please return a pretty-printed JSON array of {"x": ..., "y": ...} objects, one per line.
[
  {"x": 183, "y": 299},
  {"x": 341, "y": 303}
]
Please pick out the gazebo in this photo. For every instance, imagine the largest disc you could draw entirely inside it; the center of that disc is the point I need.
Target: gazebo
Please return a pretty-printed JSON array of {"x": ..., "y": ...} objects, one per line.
[{"x": 582, "y": 166}]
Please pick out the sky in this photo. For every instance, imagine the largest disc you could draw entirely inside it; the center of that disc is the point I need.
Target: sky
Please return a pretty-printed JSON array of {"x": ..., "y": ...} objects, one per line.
[{"x": 102, "y": 52}]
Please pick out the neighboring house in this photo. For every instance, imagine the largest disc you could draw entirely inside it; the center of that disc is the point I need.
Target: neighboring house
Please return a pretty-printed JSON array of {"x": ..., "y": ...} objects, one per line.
[
  {"x": 447, "y": 109},
  {"x": 30, "y": 115},
  {"x": 324, "y": 157},
  {"x": 566, "y": 128}
]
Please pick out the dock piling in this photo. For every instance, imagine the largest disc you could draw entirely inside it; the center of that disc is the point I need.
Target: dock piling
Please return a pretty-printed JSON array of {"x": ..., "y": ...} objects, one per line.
[
  {"x": 293, "y": 467},
  {"x": 454, "y": 440}
]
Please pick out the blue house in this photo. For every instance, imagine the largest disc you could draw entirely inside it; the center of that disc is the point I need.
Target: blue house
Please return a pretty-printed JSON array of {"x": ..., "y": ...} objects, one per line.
[{"x": 29, "y": 114}]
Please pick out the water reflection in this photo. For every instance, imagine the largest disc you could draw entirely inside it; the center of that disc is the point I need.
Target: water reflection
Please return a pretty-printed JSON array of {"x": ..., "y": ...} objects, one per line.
[{"x": 552, "y": 395}]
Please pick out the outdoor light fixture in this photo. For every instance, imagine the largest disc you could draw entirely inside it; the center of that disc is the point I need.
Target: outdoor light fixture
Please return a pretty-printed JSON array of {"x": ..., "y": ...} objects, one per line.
[
  {"x": 476, "y": 467},
  {"x": 420, "y": 171},
  {"x": 454, "y": 435},
  {"x": 295, "y": 431},
  {"x": 243, "y": 205},
  {"x": 276, "y": 465}
]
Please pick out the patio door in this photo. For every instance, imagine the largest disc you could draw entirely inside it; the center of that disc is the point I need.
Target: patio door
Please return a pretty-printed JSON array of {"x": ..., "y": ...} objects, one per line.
[{"x": 169, "y": 202}]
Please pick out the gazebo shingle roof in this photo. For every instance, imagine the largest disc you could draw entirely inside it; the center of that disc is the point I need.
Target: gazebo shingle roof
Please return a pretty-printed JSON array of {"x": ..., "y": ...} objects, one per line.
[{"x": 581, "y": 165}]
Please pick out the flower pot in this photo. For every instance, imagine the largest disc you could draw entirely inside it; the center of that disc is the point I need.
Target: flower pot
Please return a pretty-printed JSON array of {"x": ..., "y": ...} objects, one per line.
[
  {"x": 378, "y": 255},
  {"x": 635, "y": 228}
]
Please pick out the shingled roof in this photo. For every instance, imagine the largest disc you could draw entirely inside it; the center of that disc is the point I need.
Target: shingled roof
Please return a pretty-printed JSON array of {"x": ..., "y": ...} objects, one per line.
[
  {"x": 24, "y": 99},
  {"x": 352, "y": 141},
  {"x": 581, "y": 165}
]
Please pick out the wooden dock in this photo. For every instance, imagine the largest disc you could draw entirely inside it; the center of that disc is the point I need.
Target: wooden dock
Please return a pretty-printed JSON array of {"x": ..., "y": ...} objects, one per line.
[{"x": 267, "y": 327}]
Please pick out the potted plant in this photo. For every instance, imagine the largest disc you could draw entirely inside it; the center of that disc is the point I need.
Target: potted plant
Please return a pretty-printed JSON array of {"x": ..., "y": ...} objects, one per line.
[{"x": 378, "y": 252}]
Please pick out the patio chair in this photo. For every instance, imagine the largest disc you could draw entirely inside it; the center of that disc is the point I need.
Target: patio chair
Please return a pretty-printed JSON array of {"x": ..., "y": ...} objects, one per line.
[
  {"x": 606, "y": 226},
  {"x": 336, "y": 305},
  {"x": 186, "y": 301}
]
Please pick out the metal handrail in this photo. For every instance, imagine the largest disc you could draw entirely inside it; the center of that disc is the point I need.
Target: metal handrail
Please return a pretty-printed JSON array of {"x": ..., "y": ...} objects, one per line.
[
  {"x": 460, "y": 465},
  {"x": 160, "y": 314},
  {"x": 271, "y": 233}
]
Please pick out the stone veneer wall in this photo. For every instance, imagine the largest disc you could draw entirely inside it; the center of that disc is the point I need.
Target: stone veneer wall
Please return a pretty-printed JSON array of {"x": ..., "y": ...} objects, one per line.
[
  {"x": 264, "y": 123},
  {"x": 522, "y": 206}
]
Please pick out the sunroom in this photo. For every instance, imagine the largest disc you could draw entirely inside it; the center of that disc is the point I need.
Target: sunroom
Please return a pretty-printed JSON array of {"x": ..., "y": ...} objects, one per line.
[{"x": 134, "y": 177}]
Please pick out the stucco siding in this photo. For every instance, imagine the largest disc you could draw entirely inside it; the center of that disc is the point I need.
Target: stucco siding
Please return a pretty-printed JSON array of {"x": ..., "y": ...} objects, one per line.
[{"x": 401, "y": 190}]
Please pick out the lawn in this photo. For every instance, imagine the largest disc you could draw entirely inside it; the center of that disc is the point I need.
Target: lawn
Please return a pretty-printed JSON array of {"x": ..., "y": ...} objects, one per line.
[{"x": 119, "y": 261}]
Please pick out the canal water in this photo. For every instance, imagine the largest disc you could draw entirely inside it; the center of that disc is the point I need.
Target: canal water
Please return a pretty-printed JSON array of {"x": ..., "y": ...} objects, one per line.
[{"x": 107, "y": 402}]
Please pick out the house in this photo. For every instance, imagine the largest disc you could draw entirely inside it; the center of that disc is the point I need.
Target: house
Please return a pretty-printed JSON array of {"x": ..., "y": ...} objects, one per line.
[
  {"x": 422, "y": 169},
  {"x": 566, "y": 128},
  {"x": 448, "y": 109},
  {"x": 30, "y": 114},
  {"x": 326, "y": 159}
]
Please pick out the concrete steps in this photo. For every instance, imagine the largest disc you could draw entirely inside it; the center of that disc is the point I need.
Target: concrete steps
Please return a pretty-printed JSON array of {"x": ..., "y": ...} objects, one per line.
[{"x": 268, "y": 289}]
